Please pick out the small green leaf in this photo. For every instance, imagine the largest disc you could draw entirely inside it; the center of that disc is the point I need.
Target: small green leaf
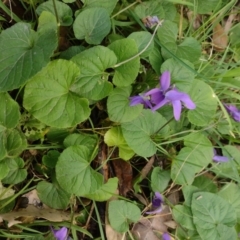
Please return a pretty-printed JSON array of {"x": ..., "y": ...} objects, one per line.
[
  {"x": 51, "y": 158},
  {"x": 71, "y": 52},
  {"x": 9, "y": 111},
  {"x": 114, "y": 137},
  {"x": 105, "y": 192},
  {"x": 182, "y": 214},
  {"x": 12, "y": 142},
  {"x": 138, "y": 132},
  {"x": 18, "y": 44},
  {"x": 126, "y": 73},
  {"x": 205, "y": 183},
  {"x": 121, "y": 213},
  {"x": 206, "y": 104},
  {"x": 118, "y": 106},
  {"x": 194, "y": 157},
  {"x": 92, "y": 24},
  {"x": 159, "y": 179},
  {"x": 5, "y": 192},
  {"x": 74, "y": 173},
  {"x": 213, "y": 217},
  {"x": 63, "y": 10},
  {"x": 155, "y": 59},
  {"x": 4, "y": 169},
  {"x": 17, "y": 173},
  {"x": 50, "y": 96},
  {"x": 231, "y": 193},
  {"x": 53, "y": 195},
  {"x": 87, "y": 140},
  {"x": 47, "y": 22},
  {"x": 168, "y": 32},
  {"x": 142, "y": 39},
  {"x": 93, "y": 81},
  {"x": 189, "y": 49},
  {"x": 106, "y": 4}
]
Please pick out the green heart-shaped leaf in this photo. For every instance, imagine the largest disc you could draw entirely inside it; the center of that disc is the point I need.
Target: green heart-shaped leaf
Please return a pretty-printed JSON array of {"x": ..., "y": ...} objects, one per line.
[
  {"x": 138, "y": 132},
  {"x": 126, "y": 73},
  {"x": 118, "y": 106},
  {"x": 121, "y": 213},
  {"x": 26, "y": 52},
  {"x": 9, "y": 111},
  {"x": 50, "y": 98},
  {"x": 93, "y": 81},
  {"x": 206, "y": 104},
  {"x": 52, "y": 195},
  {"x": 92, "y": 24},
  {"x": 213, "y": 217}
]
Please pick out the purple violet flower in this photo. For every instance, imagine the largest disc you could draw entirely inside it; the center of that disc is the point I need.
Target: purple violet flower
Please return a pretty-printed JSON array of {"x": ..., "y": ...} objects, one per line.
[
  {"x": 218, "y": 158},
  {"x": 166, "y": 236},
  {"x": 150, "y": 21},
  {"x": 233, "y": 112},
  {"x": 158, "y": 97},
  {"x": 60, "y": 234},
  {"x": 157, "y": 203},
  {"x": 166, "y": 94}
]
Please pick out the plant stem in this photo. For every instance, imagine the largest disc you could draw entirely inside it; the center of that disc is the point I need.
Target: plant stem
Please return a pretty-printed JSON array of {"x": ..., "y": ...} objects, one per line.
[
  {"x": 124, "y": 9},
  {"x": 56, "y": 13},
  {"x": 99, "y": 221},
  {"x": 133, "y": 57}
]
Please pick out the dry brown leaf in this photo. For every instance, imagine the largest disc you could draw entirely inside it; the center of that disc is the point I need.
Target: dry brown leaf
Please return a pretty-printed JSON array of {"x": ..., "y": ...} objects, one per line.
[
  {"x": 32, "y": 212},
  {"x": 145, "y": 228},
  {"x": 194, "y": 19},
  {"x": 147, "y": 167},
  {"x": 173, "y": 198},
  {"x": 220, "y": 38},
  {"x": 33, "y": 198},
  {"x": 123, "y": 171},
  {"x": 111, "y": 234},
  {"x": 142, "y": 230}
]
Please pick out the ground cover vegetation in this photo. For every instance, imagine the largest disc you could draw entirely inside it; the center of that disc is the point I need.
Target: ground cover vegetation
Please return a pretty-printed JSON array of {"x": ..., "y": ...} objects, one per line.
[{"x": 119, "y": 119}]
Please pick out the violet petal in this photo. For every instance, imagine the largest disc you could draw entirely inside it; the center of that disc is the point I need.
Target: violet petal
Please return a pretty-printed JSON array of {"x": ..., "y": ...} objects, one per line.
[
  {"x": 177, "y": 109},
  {"x": 135, "y": 100},
  {"x": 160, "y": 104},
  {"x": 60, "y": 234},
  {"x": 141, "y": 99},
  {"x": 165, "y": 80},
  {"x": 156, "y": 95},
  {"x": 233, "y": 112},
  {"x": 174, "y": 95},
  {"x": 156, "y": 203},
  {"x": 166, "y": 236},
  {"x": 157, "y": 200},
  {"x": 236, "y": 116},
  {"x": 231, "y": 108},
  {"x": 218, "y": 158}
]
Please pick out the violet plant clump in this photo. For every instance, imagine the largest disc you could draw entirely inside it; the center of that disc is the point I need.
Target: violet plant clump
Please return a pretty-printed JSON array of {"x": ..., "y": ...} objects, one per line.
[
  {"x": 165, "y": 94},
  {"x": 71, "y": 128}
]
